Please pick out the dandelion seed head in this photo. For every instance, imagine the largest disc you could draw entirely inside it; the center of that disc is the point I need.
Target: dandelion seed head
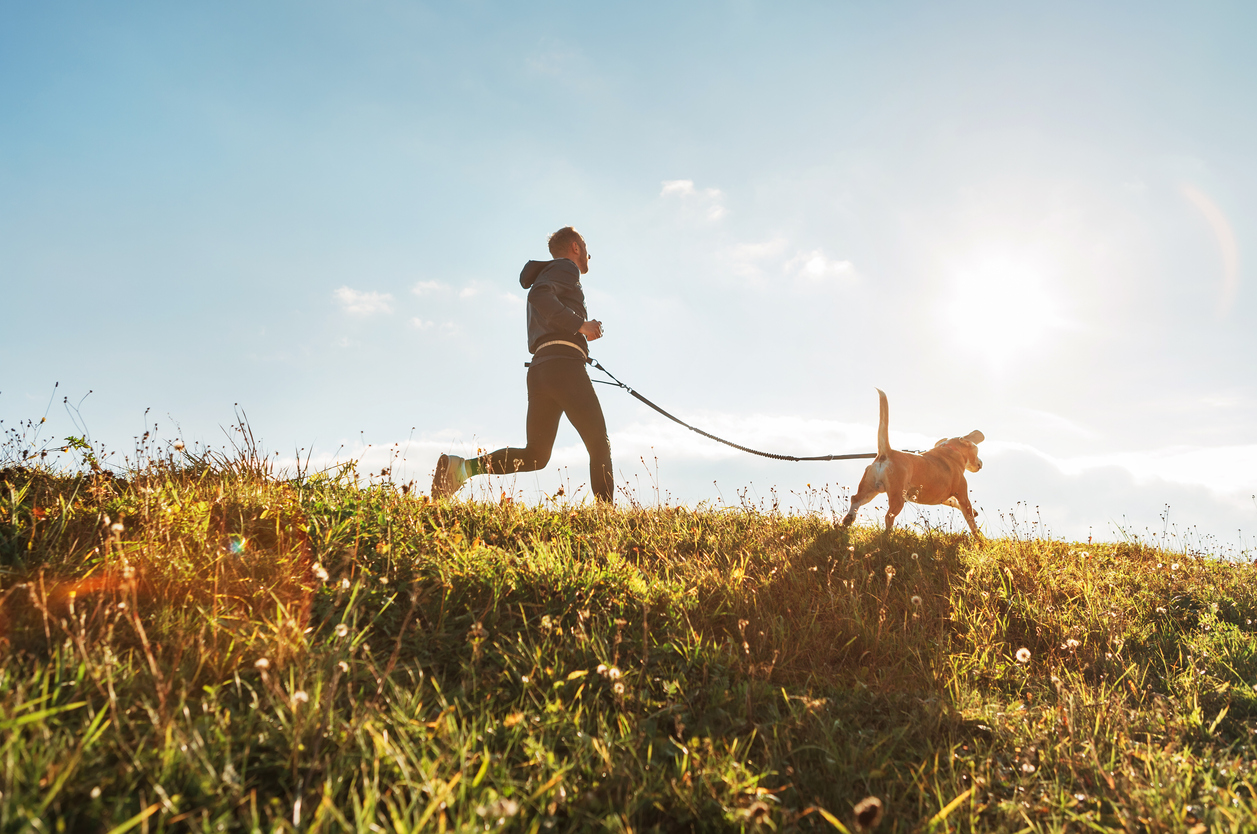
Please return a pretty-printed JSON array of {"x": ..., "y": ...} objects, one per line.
[
  {"x": 618, "y": 688},
  {"x": 262, "y": 663},
  {"x": 342, "y": 630},
  {"x": 178, "y": 445},
  {"x": 1071, "y": 644},
  {"x": 614, "y": 673},
  {"x": 868, "y": 813},
  {"x": 916, "y": 601},
  {"x": 344, "y": 584},
  {"x": 524, "y": 679},
  {"x": 1026, "y": 767},
  {"x": 1023, "y": 655},
  {"x": 96, "y": 792},
  {"x": 320, "y": 572},
  {"x": 1174, "y": 566},
  {"x": 602, "y": 669},
  {"x": 300, "y": 697},
  {"x": 344, "y": 667},
  {"x": 117, "y": 527}
]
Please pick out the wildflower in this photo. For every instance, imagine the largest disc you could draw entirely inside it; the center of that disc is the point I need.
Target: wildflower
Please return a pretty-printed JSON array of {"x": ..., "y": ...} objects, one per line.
[
  {"x": 178, "y": 445},
  {"x": 1071, "y": 644},
  {"x": 1160, "y": 609},
  {"x": 262, "y": 663},
  {"x": 320, "y": 572},
  {"x": 524, "y": 679},
  {"x": 868, "y": 813},
  {"x": 916, "y": 601},
  {"x": 300, "y": 697},
  {"x": 383, "y": 580},
  {"x": 546, "y": 623},
  {"x": 618, "y": 688},
  {"x": 344, "y": 584},
  {"x": 1023, "y": 655},
  {"x": 498, "y": 809},
  {"x": 342, "y": 630}
]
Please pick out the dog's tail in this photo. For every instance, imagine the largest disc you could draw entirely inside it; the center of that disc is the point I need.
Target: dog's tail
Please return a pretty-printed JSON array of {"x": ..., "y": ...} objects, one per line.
[{"x": 883, "y": 425}]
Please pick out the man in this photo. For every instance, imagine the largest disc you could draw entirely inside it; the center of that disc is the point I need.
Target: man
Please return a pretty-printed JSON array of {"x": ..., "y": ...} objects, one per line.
[{"x": 559, "y": 332}]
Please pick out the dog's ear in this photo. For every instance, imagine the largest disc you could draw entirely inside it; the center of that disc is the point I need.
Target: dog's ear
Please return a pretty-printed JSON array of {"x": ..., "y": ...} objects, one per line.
[
  {"x": 975, "y": 436},
  {"x": 941, "y": 442}
]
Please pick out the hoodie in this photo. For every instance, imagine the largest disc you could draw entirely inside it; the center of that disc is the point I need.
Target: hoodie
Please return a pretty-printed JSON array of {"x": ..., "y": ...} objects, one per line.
[{"x": 556, "y": 304}]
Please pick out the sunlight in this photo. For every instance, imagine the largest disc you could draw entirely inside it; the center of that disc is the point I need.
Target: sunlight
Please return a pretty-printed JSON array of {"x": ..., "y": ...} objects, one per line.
[{"x": 1000, "y": 309}]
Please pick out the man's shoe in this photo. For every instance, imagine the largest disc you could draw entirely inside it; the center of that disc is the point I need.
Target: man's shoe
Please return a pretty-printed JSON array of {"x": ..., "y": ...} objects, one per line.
[{"x": 451, "y": 473}]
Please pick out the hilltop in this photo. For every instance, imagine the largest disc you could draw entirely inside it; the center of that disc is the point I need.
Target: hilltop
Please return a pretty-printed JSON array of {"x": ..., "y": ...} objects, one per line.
[{"x": 205, "y": 645}]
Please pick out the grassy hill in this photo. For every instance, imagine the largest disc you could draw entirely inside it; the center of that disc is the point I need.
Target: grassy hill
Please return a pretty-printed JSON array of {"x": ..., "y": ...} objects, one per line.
[{"x": 205, "y": 646}]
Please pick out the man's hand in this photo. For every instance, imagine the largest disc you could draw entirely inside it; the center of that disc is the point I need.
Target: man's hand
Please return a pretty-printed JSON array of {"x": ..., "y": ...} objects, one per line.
[{"x": 591, "y": 330}]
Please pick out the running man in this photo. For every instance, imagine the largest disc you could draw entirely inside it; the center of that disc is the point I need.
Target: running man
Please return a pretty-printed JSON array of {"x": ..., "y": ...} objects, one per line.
[{"x": 559, "y": 332}]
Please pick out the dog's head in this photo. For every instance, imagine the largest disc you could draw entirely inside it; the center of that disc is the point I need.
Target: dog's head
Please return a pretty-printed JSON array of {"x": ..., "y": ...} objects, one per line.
[{"x": 967, "y": 446}]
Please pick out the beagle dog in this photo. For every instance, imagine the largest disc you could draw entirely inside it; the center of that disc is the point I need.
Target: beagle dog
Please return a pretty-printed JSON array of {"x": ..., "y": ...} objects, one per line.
[{"x": 935, "y": 477}]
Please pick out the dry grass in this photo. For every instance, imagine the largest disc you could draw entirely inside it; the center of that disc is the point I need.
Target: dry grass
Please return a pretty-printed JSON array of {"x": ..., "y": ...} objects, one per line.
[{"x": 247, "y": 652}]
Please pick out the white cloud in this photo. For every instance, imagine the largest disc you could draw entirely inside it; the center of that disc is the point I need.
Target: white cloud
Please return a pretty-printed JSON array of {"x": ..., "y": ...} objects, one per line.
[
  {"x": 425, "y": 287},
  {"x": 364, "y": 303},
  {"x": 708, "y": 202},
  {"x": 809, "y": 269},
  {"x": 468, "y": 292},
  {"x": 819, "y": 268},
  {"x": 446, "y": 328}
]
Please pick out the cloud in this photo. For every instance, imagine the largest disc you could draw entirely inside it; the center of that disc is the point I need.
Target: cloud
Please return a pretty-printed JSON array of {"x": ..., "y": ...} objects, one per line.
[
  {"x": 447, "y": 328},
  {"x": 364, "y": 303},
  {"x": 425, "y": 287},
  {"x": 819, "y": 268},
  {"x": 809, "y": 270},
  {"x": 707, "y": 202},
  {"x": 468, "y": 292}
]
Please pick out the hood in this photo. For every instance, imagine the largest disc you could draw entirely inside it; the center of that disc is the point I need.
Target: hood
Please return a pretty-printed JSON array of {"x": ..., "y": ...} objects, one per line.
[{"x": 531, "y": 270}]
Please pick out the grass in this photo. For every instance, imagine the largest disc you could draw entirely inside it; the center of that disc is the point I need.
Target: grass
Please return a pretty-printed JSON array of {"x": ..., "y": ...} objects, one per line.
[{"x": 203, "y": 645}]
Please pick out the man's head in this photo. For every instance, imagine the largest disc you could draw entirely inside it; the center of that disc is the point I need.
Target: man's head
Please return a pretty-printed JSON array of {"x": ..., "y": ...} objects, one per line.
[{"x": 567, "y": 243}]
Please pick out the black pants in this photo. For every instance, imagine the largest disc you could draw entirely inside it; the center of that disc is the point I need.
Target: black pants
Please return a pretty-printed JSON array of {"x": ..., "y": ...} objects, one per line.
[{"x": 557, "y": 387}]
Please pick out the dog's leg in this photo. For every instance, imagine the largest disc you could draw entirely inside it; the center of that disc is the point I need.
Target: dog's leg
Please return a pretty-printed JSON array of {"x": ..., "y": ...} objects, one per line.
[
  {"x": 896, "y": 507},
  {"x": 962, "y": 502},
  {"x": 865, "y": 493}
]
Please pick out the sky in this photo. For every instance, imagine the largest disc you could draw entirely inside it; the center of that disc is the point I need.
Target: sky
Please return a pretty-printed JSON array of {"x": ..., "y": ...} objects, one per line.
[{"x": 1032, "y": 219}]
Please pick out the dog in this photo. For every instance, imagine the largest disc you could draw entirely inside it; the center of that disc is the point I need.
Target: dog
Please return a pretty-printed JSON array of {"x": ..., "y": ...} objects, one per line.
[{"x": 935, "y": 477}]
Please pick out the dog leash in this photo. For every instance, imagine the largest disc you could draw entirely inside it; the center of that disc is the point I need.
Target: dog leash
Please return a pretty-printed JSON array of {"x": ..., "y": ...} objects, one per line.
[{"x": 710, "y": 436}]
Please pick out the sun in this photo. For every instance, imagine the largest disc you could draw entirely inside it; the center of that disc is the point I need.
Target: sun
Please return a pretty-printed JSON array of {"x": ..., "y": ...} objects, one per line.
[{"x": 1001, "y": 309}]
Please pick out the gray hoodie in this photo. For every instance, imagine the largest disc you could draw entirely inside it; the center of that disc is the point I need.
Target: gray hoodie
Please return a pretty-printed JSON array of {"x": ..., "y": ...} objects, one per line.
[{"x": 556, "y": 303}]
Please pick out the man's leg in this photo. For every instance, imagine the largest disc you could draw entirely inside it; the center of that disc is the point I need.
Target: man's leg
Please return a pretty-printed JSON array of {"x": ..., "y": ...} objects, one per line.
[
  {"x": 542, "y": 426},
  {"x": 575, "y": 393}
]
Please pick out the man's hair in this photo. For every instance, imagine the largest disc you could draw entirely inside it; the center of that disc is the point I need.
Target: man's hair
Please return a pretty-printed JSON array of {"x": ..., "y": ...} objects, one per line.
[{"x": 561, "y": 240}]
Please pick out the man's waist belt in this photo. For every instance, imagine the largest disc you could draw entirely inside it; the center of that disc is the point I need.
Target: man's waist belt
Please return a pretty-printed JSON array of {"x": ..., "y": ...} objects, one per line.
[{"x": 560, "y": 342}]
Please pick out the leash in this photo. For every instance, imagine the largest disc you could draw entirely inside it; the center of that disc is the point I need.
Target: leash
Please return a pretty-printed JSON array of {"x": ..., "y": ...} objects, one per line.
[{"x": 678, "y": 420}]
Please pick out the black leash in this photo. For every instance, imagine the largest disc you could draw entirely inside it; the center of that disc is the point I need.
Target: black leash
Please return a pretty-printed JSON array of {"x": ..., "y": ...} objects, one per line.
[{"x": 617, "y": 382}]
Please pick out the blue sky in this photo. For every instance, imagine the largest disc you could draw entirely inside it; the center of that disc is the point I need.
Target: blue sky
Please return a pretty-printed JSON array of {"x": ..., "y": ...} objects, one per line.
[{"x": 1032, "y": 219}]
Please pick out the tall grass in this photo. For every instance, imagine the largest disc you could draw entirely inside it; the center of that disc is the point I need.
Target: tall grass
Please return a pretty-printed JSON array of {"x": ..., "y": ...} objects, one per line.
[{"x": 206, "y": 645}]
